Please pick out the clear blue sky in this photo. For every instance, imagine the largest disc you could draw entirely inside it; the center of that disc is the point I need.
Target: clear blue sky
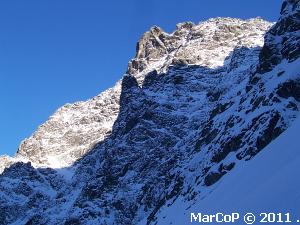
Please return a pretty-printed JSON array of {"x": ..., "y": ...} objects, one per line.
[{"x": 58, "y": 51}]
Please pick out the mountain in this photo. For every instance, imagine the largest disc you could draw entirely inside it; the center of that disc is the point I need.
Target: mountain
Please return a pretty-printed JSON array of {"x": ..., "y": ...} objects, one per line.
[{"x": 186, "y": 122}]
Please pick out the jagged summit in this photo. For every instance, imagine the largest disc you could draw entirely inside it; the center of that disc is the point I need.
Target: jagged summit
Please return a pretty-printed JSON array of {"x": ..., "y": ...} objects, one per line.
[{"x": 216, "y": 38}]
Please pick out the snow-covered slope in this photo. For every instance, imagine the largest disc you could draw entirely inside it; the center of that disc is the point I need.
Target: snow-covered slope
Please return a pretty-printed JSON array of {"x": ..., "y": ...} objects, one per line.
[
  {"x": 193, "y": 106},
  {"x": 267, "y": 184},
  {"x": 72, "y": 131}
]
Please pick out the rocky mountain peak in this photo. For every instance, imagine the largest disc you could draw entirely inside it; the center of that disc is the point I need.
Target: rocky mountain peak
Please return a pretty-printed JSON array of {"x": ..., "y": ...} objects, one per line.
[
  {"x": 216, "y": 38},
  {"x": 71, "y": 131}
]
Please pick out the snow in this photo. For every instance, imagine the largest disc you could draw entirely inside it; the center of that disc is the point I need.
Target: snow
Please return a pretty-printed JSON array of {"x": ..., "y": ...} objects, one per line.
[
  {"x": 60, "y": 141},
  {"x": 268, "y": 183},
  {"x": 54, "y": 162}
]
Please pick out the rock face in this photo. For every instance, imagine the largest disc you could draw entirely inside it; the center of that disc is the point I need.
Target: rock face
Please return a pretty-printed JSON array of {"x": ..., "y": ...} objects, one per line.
[
  {"x": 193, "y": 104},
  {"x": 282, "y": 41},
  {"x": 72, "y": 131}
]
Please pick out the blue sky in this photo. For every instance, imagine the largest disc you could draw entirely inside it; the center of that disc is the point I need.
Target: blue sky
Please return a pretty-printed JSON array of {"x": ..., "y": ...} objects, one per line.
[{"x": 58, "y": 51}]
